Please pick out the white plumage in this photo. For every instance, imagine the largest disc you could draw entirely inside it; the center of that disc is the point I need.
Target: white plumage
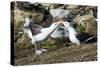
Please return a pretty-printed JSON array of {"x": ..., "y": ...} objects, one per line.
[
  {"x": 60, "y": 14},
  {"x": 72, "y": 33},
  {"x": 61, "y": 32},
  {"x": 41, "y": 36},
  {"x": 78, "y": 38}
]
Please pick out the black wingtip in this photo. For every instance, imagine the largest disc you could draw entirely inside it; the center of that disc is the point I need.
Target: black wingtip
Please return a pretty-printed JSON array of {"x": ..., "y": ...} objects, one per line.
[{"x": 90, "y": 40}]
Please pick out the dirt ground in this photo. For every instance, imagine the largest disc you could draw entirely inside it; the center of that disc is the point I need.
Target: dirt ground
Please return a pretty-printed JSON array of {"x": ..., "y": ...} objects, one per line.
[{"x": 73, "y": 53}]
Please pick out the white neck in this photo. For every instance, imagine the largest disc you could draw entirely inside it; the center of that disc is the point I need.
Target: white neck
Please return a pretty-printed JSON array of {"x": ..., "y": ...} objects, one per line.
[
  {"x": 27, "y": 21},
  {"x": 50, "y": 30},
  {"x": 72, "y": 30}
]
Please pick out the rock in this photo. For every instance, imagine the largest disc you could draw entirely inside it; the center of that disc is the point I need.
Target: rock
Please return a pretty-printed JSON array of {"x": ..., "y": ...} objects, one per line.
[
  {"x": 72, "y": 7},
  {"x": 54, "y": 6},
  {"x": 22, "y": 10},
  {"x": 58, "y": 5},
  {"x": 82, "y": 10},
  {"x": 94, "y": 9},
  {"x": 86, "y": 24},
  {"x": 59, "y": 13}
]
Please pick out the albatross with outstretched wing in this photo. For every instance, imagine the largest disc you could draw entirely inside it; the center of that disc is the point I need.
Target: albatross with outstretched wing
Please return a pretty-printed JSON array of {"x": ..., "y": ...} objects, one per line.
[{"x": 38, "y": 34}]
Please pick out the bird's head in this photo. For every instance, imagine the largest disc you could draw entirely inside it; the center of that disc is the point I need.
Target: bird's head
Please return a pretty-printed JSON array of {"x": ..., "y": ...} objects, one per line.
[
  {"x": 27, "y": 21},
  {"x": 66, "y": 24}
]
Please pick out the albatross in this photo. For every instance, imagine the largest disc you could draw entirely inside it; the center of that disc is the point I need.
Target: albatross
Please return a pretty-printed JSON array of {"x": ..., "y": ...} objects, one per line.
[
  {"x": 78, "y": 38},
  {"x": 38, "y": 34}
]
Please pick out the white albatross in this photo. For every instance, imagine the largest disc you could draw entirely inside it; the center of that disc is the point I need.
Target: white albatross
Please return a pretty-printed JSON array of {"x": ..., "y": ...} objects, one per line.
[
  {"x": 38, "y": 34},
  {"x": 77, "y": 38},
  {"x": 72, "y": 33}
]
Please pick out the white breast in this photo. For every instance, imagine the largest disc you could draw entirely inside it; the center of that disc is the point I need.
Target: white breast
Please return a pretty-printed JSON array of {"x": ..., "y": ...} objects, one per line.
[
  {"x": 29, "y": 33},
  {"x": 41, "y": 36},
  {"x": 73, "y": 39},
  {"x": 72, "y": 35},
  {"x": 58, "y": 33}
]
